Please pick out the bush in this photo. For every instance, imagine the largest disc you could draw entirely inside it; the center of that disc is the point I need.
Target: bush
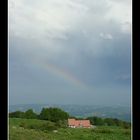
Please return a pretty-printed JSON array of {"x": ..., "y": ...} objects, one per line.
[
  {"x": 23, "y": 124},
  {"x": 127, "y": 132},
  {"x": 61, "y": 124},
  {"x": 103, "y": 130},
  {"x": 40, "y": 126},
  {"x": 17, "y": 114},
  {"x": 109, "y": 122},
  {"x": 29, "y": 114},
  {"x": 96, "y": 120}
]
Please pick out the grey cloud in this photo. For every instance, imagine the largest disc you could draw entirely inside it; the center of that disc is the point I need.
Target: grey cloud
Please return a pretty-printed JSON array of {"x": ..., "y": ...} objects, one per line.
[{"x": 75, "y": 36}]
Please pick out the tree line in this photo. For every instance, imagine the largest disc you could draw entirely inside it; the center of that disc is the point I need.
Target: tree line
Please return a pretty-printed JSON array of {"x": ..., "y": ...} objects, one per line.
[
  {"x": 109, "y": 122},
  {"x": 57, "y": 115},
  {"x": 50, "y": 114}
]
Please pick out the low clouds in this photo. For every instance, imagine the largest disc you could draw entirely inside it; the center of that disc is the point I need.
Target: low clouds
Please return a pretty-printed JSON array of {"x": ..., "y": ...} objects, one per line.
[
  {"x": 90, "y": 39},
  {"x": 106, "y": 36}
]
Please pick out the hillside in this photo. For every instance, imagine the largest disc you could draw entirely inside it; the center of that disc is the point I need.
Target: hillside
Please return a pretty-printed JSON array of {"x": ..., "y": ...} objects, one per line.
[{"x": 20, "y": 129}]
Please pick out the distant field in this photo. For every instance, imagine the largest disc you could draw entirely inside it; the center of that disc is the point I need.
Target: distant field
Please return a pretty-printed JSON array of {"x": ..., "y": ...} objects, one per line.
[{"x": 16, "y": 132}]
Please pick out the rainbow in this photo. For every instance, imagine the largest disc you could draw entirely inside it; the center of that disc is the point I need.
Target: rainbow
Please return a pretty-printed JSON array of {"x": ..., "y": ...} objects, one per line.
[{"x": 65, "y": 74}]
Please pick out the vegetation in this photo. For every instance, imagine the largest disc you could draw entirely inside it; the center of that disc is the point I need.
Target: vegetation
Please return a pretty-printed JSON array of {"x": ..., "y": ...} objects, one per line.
[
  {"x": 109, "y": 122},
  {"x": 17, "y": 114},
  {"x": 53, "y": 114},
  {"x": 26, "y": 132},
  {"x": 50, "y": 114},
  {"x": 29, "y": 114},
  {"x": 51, "y": 124}
]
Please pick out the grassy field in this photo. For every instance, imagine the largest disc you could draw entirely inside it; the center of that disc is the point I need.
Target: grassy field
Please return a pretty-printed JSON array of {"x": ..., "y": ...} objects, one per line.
[{"x": 17, "y": 131}]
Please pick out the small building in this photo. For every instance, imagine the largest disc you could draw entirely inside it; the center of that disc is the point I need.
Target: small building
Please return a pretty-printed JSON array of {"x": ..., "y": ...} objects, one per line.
[{"x": 79, "y": 123}]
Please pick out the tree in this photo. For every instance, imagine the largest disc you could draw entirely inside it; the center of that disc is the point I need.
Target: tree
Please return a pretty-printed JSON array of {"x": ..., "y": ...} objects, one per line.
[
  {"x": 96, "y": 120},
  {"x": 110, "y": 121},
  {"x": 29, "y": 114},
  {"x": 17, "y": 114},
  {"x": 45, "y": 114},
  {"x": 53, "y": 114}
]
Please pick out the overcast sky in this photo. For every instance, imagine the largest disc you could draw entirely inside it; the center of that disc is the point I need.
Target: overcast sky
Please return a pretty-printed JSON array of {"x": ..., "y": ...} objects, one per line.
[{"x": 70, "y": 51}]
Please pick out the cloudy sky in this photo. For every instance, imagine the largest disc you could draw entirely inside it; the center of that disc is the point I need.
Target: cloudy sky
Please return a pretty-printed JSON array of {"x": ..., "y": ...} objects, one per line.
[{"x": 70, "y": 51}]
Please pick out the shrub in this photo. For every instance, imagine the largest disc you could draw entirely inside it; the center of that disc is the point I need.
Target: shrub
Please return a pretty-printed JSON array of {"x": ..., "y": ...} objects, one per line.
[
  {"x": 103, "y": 130},
  {"x": 127, "y": 132},
  {"x": 17, "y": 114},
  {"x": 23, "y": 124},
  {"x": 40, "y": 126},
  {"x": 61, "y": 124}
]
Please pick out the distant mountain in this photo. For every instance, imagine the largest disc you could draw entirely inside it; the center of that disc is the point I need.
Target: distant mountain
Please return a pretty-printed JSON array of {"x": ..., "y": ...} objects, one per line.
[{"x": 119, "y": 112}]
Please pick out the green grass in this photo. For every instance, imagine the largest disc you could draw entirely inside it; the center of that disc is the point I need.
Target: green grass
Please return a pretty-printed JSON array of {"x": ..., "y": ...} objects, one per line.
[
  {"x": 16, "y": 132},
  {"x": 18, "y": 121}
]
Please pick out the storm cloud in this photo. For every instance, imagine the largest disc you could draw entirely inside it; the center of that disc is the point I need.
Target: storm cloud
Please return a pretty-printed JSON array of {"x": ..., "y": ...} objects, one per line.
[{"x": 70, "y": 51}]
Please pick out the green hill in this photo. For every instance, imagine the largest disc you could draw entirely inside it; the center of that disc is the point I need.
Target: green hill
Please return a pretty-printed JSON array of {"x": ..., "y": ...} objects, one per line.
[{"x": 33, "y": 129}]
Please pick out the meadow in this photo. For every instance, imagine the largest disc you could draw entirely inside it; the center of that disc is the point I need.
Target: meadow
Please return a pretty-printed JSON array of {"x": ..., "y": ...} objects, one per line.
[{"x": 33, "y": 129}]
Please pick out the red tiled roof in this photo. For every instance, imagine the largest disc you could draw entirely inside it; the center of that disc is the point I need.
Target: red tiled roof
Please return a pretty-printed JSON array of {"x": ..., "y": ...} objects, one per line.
[
  {"x": 71, "y": 121},
  {"x": 77, "y": 123}
]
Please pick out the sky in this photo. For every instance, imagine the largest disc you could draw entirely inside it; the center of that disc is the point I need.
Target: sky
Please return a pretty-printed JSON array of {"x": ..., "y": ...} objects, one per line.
[{"x": 70, "y": 51}]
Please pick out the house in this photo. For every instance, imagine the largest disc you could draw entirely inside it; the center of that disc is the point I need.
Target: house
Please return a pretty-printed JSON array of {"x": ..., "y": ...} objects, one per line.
[{"x": 79, "y": 123}]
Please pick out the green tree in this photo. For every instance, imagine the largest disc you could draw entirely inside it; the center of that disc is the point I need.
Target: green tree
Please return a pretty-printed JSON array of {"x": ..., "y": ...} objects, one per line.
[
  {"x": 17, "y": 114},
  {"x": 29, "y": 114},
  {"x": 96, "y": 120},
  {"x": 53, "y": 114},
  {"x": 109, "y": 121},
  {"x": 45, "y": 114}
]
